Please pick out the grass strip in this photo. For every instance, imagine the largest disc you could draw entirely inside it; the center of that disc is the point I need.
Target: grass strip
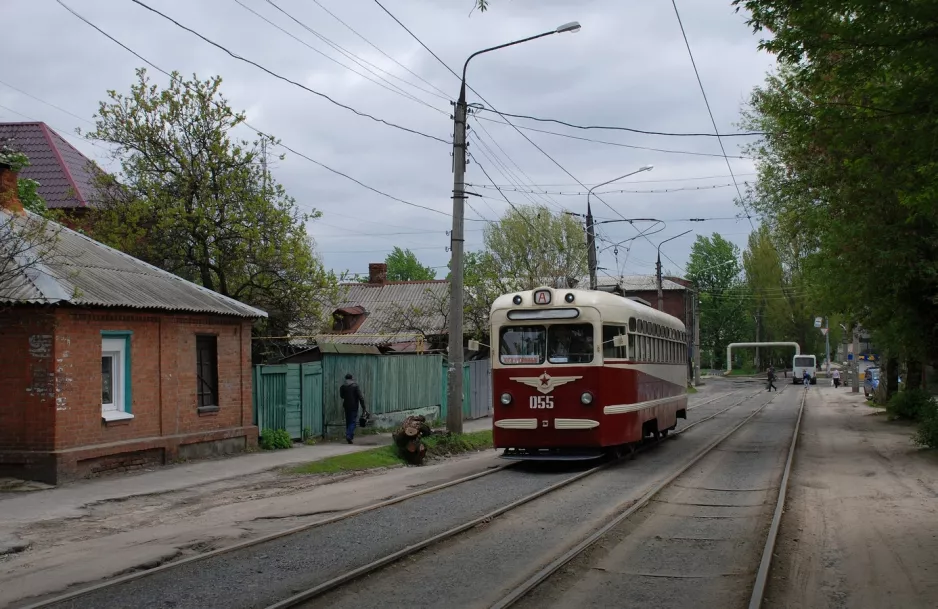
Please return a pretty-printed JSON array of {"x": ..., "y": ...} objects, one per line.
[{"x": 438, "y": 445}]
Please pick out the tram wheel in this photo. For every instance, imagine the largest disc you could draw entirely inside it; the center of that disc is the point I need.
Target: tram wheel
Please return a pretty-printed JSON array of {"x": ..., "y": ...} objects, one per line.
[{"x": 664, "y": 434}]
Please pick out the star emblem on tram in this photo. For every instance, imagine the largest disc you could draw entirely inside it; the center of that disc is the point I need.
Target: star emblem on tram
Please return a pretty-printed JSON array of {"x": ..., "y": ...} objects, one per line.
[{"x": 545, "y": 383}]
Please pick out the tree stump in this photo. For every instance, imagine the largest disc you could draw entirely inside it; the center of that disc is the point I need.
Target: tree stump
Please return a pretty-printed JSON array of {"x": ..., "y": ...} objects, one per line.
[{"x": 409, "y": 439}]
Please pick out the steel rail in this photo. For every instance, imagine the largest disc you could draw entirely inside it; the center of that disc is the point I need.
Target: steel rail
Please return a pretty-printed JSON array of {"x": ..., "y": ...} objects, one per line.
[
  {"x": 762, "y": 576},
  {"x": 541, "y": 575},
  {"x": 349, "y": 576}
]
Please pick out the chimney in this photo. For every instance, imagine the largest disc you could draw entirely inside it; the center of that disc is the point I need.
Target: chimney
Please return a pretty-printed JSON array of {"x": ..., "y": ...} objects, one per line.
[
  {"x": 9, "y": 194},
  {"x": 378, "y": 273}
]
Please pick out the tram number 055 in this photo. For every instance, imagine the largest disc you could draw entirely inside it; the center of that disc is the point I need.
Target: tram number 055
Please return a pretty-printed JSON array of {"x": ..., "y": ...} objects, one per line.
[{"x": 542, "y": 401}]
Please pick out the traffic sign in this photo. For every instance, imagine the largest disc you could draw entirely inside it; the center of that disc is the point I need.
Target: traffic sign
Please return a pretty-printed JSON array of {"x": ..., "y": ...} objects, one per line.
[
  {"x": 850, "y": 357},
  {"x": 818, "y": 322},
  {"x": 824, "y": 331}
]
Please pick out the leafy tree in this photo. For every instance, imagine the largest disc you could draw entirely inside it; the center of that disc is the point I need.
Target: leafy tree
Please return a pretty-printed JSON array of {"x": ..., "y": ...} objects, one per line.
[
  {"x": 404, "y": 266},
  {"x": 194, "y": 201},
  {"x": 714, "y": 269},
  {"x": 847, "y": 165},
  {"x": 27, "y": 241},
  {"x": 532, "y": 246},
  {"x": 778, "y": 295}
]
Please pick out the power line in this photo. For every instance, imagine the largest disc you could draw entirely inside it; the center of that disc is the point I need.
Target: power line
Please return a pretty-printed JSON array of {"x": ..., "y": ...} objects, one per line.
[
  {"x": 42, "y": 101},
  {"x": 611, "y": 192},
  {"x": 710, "y": 112},
  {"x": 530, "y": 182},
  {"x": 358, "y": 60},
  {"x": 350, "y": 28},
  {"x": 493, "y": 109},
  {"x": 248, "y": 125},
  {"x": 388, "y": 87},
  {"x": 607, "y": 143},
  {"x": 658, "y": 180},
  {"x": 284, "y": 78},
  {"x": 629, "y": 129}
]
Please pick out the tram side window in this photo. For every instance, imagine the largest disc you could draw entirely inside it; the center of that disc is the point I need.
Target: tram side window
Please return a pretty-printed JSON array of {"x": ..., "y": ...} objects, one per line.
[
  {"x": 609, "y": 349},
  {"x": 522, "y": 345}
]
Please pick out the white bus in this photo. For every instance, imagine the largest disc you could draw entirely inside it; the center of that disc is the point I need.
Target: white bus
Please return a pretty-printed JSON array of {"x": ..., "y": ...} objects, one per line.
[{"x": 801, "y": 363}]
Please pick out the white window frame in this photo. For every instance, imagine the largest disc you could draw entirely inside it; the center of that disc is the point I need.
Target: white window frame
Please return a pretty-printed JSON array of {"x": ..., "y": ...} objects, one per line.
[{"x": 116, "y": 349}]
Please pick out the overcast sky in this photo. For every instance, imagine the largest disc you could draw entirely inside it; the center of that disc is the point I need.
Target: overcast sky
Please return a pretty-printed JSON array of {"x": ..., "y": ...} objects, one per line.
[{"x": 628, "y": 66}]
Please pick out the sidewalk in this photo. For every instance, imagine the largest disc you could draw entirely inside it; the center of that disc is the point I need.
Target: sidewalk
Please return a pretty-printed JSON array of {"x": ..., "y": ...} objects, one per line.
[
  {"x": 67, "y": 501},
  {"x": 95, "y": 529}
]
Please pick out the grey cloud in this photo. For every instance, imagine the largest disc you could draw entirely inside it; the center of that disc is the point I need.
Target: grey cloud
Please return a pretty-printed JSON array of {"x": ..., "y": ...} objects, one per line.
[{"x": 627, "y": 66}]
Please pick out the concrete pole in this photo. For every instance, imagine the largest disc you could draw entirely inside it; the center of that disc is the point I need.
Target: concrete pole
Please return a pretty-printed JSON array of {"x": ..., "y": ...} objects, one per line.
[
  {"x": 696, "y": 339},
  {"x": 856, "y": 358},
  {"x": 591, "y": 244},
  {"x": 454, "y": 395},
  {"x": 660, "y": 292},
  {"x": 827, "y": 343}
]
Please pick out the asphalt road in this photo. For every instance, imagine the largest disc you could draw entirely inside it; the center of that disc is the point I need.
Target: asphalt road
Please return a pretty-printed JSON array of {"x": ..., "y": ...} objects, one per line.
[{"x": 257, "y": 576}]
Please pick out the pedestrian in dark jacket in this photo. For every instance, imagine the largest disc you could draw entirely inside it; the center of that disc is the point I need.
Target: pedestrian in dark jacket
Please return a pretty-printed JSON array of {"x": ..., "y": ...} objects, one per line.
[
  {"x": 352, "y": 397},
  {"x": 771, "y": 375}
]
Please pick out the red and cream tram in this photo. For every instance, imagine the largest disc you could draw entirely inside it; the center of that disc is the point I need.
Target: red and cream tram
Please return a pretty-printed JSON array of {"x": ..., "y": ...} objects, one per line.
[{"x": 578, "y": 373}]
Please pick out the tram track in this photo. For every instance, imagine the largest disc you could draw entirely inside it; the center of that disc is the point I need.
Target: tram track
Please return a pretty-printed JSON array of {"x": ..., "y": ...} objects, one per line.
[
  {"x": 75, "y": 598},
  {"x": 346, "y": 578},
  {"x": 520, "y": 592}
]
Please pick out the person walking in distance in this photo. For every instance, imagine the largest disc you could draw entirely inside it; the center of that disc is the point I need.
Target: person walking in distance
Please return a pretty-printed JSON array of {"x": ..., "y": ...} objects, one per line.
[
  {"x": 836, "y": 375},
  {"x": 771, "y": 376},
  {"x": 352, "y": 397}
]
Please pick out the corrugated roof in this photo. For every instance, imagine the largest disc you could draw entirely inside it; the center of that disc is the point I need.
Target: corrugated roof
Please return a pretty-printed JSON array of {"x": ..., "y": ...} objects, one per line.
[
  {"x": 384, "y": 303},
  {"x": 78, "y": 270},
  {"x": 65, "y": 175}
]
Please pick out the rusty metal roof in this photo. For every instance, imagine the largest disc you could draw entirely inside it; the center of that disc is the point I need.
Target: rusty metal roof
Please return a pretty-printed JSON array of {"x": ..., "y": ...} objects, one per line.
[
  {"x": 77, "y": 270},
  {"x": 422, "y": 301},
  {"x": 66, "y": 176}
]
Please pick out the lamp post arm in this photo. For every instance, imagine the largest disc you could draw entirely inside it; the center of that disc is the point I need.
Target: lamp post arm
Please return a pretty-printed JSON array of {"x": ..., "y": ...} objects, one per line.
[{"x": 495, "y": 48}]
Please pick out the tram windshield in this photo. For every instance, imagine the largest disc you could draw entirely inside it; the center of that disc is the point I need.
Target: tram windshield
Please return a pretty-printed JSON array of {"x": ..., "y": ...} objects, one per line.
[{"x": 560, "y": 343}]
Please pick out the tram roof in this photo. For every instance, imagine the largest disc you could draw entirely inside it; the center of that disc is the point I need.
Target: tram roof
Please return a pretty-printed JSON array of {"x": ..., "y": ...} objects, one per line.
[{"x": 586, "y": 298}]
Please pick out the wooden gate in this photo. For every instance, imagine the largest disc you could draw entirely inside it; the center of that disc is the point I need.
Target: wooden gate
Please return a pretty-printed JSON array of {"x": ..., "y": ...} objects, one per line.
[{"x": 289, "y": 396}]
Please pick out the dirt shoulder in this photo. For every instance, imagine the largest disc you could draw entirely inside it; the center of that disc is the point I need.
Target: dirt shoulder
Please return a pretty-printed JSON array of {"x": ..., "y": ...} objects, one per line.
[
  {"x": 860, "y": 529},
  {"x": 105, "y": 538}
]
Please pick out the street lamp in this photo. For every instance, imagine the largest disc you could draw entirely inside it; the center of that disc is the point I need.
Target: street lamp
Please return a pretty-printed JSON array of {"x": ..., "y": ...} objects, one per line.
[
  {"x": 590, "y": 233},
  {"x": 454, "y": 372},
  {"x": 658, "y": 269}
]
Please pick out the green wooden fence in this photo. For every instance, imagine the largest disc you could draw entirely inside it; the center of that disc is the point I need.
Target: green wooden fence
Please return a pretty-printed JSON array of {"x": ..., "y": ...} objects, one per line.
[{"x": 306, "y": 396}]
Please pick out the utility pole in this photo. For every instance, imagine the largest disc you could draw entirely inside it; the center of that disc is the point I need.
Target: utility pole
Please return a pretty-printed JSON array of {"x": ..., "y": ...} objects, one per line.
[
  {"x": 591, "y": 245},
  {"x": 658, "y": 269},
  {"x": 264, "y": 165},
  {"x": 827, "y": 342},
  {"x": 856, "y": 358},
  {"x": 696, "y": 338},
  {"x": 454, "y": 396}
]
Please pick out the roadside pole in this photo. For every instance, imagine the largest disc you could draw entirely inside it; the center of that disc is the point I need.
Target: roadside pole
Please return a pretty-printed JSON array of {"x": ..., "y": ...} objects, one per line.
[
  {"x": 856, "y": 358},
  {"x": 827, "y": 343},
  {"x": 454, "y": 393},
  {"x": 696, "y": 338}
]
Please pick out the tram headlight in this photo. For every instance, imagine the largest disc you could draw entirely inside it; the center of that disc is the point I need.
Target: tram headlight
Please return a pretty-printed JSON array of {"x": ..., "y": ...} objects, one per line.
[
  {"x": 505, "y": 399},
  {"x": 586, "y": 398}
]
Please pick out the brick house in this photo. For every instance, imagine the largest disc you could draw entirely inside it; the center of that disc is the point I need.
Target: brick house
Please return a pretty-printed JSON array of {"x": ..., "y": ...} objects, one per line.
[
  {"x": 66, "y": 177},
  {"x": 108, "y": 362},
  {"x": 395, "y": 316}
]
